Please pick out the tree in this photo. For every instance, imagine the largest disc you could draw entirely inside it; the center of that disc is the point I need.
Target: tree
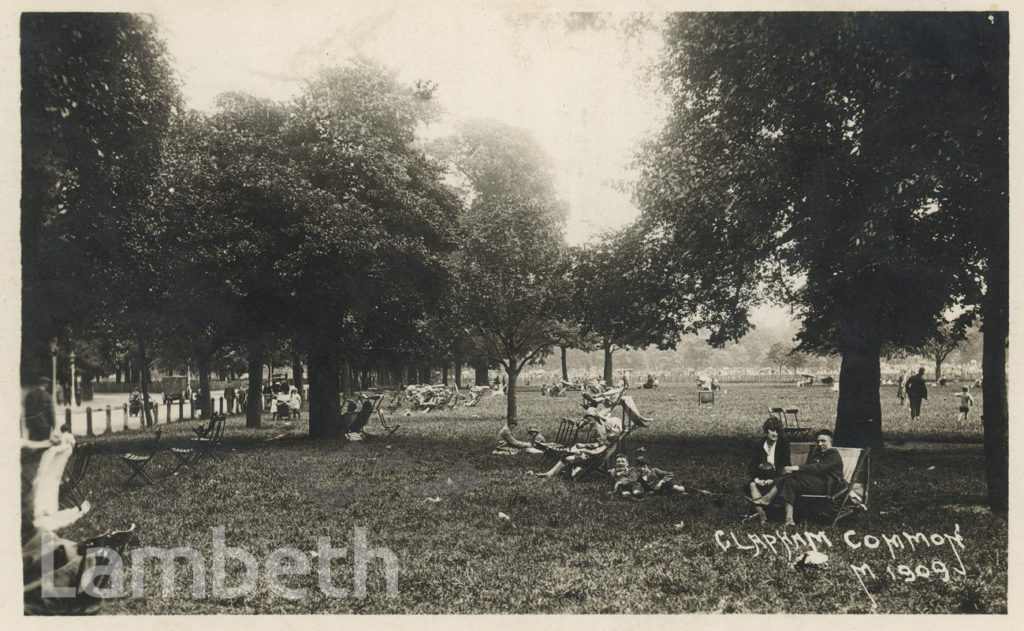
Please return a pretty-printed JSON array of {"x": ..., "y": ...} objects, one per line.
[
  {"x": 98, "y": 95},
  {"x": 383, "y": 225},
  {"x": 777, "y": 355},
  {"x": 944, "y": 341},
  {"x": 808, "y": 156},
  {"x": 511, "y": 258},
  {"x": 618, "y": 294},
  {"x": 231, "y": 197}
]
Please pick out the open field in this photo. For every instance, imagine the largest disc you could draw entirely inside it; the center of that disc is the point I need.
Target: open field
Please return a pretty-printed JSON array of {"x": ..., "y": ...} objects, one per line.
[{"x": 568, "y": 547}]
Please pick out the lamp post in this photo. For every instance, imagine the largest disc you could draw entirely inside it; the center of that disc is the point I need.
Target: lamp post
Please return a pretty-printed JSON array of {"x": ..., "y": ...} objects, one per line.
[
  {"x": 53, "y": 381},
  {"x": 74, "y": 390}
]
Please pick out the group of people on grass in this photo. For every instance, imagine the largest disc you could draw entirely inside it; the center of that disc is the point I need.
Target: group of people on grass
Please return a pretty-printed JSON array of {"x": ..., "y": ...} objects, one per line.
[
  {"x": 913, "y": 390},
  {"x": 773, "y": 475}
]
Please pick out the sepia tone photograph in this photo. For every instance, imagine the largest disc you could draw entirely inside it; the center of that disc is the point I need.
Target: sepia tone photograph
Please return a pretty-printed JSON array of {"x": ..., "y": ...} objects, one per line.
[{"x": 506, "y": 308}]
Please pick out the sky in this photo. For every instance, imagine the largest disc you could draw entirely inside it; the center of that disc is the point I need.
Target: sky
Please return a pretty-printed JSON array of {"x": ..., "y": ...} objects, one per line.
[{"x": 580, "y": 94}]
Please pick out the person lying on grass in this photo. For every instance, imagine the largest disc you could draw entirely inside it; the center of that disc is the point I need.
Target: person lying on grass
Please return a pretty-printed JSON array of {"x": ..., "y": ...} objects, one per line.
[
  {"x": 509, "y": 445},
  {"x": 656, "y": 481},
  {"x": 822, "y": 474}
]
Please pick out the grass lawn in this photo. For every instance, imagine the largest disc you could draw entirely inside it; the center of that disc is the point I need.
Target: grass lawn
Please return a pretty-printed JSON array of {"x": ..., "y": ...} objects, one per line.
[{"x": 568, "y": 547}]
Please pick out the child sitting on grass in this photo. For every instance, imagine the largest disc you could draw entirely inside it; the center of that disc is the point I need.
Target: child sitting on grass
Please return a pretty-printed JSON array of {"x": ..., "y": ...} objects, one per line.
[{"x": 626, "y": 478}]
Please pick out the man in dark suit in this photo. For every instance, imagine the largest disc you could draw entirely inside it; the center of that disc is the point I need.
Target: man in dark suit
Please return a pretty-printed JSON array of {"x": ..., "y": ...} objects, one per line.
[
  {"x": 822, "y": 474},
  {"x": 917, "y": 390}
]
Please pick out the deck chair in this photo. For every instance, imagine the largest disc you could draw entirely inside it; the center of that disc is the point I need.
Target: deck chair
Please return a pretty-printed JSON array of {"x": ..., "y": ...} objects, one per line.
[
  {"x": 853, "y": 495},
  {"x": 202, "y": 431},
  {"x": 345, "y": 421},
  {"x": 475, "y": 394},
  {"x": 597, "y": 466},
  {"x": 791, "y": 429},
  {"x": 378, "y": 408},
  {"x": 137, "y": 463},
  {"x": 70, "y": 494},
  {"x": 568, "y": 430},
  {"x": 201, "y": 447},
  {"x": 119, "y": 541}
]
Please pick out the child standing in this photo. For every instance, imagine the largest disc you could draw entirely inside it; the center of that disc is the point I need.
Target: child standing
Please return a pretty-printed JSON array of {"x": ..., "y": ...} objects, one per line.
[{"x": 966, "y": 402}]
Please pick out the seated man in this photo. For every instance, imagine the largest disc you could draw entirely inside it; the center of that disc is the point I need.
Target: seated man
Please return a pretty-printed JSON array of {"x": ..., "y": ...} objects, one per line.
[
  {"x": 509, "y": 445},
  {"x": 821, "y": 474}
]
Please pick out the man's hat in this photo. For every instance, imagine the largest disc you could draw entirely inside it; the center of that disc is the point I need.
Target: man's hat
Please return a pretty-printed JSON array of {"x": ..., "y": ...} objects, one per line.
[{"x": 43, "y": 379}]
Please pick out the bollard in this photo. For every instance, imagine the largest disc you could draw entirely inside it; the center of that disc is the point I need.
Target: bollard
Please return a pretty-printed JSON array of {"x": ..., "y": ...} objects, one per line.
[
  {"x": 156, "y": 415},
  {"x": 192, "y": 410},
  {"x": 168, "y": 411},
  {"x": 181, "y": 409},
  {"x": 67, "y": 418},
  {"x": 220, "y": 402},
  {"x": 109, "y": 429},
  {"x": 124, "y": 419},
  {"x": 88, "y": 421}
]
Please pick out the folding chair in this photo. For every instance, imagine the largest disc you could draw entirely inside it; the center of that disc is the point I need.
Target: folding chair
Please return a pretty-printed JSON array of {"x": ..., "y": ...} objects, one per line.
[
  {"x": 568, "y": 430},
  {"x": 598, "y": 465},
  {"x": 203, "y": 431},
  {"x": 70, "y": 493},
  {"x": 378, "y": 409},
  {"x": 119, "y": 541},
  {"x": 137, "y": 463},
  {"x": 851, "y": 496},
  {"x": 201, "y": 447}
]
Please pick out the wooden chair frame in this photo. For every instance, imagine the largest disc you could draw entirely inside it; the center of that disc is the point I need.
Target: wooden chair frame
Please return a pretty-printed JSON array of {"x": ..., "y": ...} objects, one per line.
[
  {"x": 201, "y": 447},
  {"x": 70, "y": 493},
  {"x": 841, "y": 503},
  {"x": 137, "y": 463}
]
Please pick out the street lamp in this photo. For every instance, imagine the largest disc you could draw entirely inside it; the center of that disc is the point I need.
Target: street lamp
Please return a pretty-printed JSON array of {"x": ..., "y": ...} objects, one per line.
[
  {"x": 74, "y": 390},
  {"x": 53, "y": 381}
]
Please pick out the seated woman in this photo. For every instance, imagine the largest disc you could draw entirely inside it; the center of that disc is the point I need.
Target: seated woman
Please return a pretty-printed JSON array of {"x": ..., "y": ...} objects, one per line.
[
  {"x": 579, "y": 454},
  {"x": 769, "y": 460}
]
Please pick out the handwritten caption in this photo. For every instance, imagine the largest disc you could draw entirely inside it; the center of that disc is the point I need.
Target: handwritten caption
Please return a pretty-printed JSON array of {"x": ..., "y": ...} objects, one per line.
[{"x": 898, "y": 567}]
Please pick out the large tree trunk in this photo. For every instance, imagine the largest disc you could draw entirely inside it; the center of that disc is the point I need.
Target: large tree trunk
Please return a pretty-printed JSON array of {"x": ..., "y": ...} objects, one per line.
[
  {"x": 938, "y": 368},
  {"x": 297, "y": 371},
  {"x": 346, "y": 377},
  {"x": 859, "y": 413},
  {"x": 458, "y": 370},
  {"x": 205, "y": 402},
  {"x": 480, "y": 366},
  {"x": 609, "y": 378},
  {"x": 254, "y": 398},
  {"x": 513, "y": 377},
  {"x": 144, "y": 383},
  {"x": 87, "y": 393},
  {"x": 995, "y": 411},
  {"x": 565, "y": 366},
  {"x": 324, "y": 396},
  {"x": 444, "y": 373}
]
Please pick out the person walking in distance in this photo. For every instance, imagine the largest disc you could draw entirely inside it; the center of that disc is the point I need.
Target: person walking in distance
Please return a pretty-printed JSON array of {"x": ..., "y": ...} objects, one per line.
[{"x": 917, "y": 390}]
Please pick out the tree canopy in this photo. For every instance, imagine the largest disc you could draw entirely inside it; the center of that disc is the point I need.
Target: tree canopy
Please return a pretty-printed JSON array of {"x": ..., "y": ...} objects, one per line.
[{"x": 833, "y": 160}]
